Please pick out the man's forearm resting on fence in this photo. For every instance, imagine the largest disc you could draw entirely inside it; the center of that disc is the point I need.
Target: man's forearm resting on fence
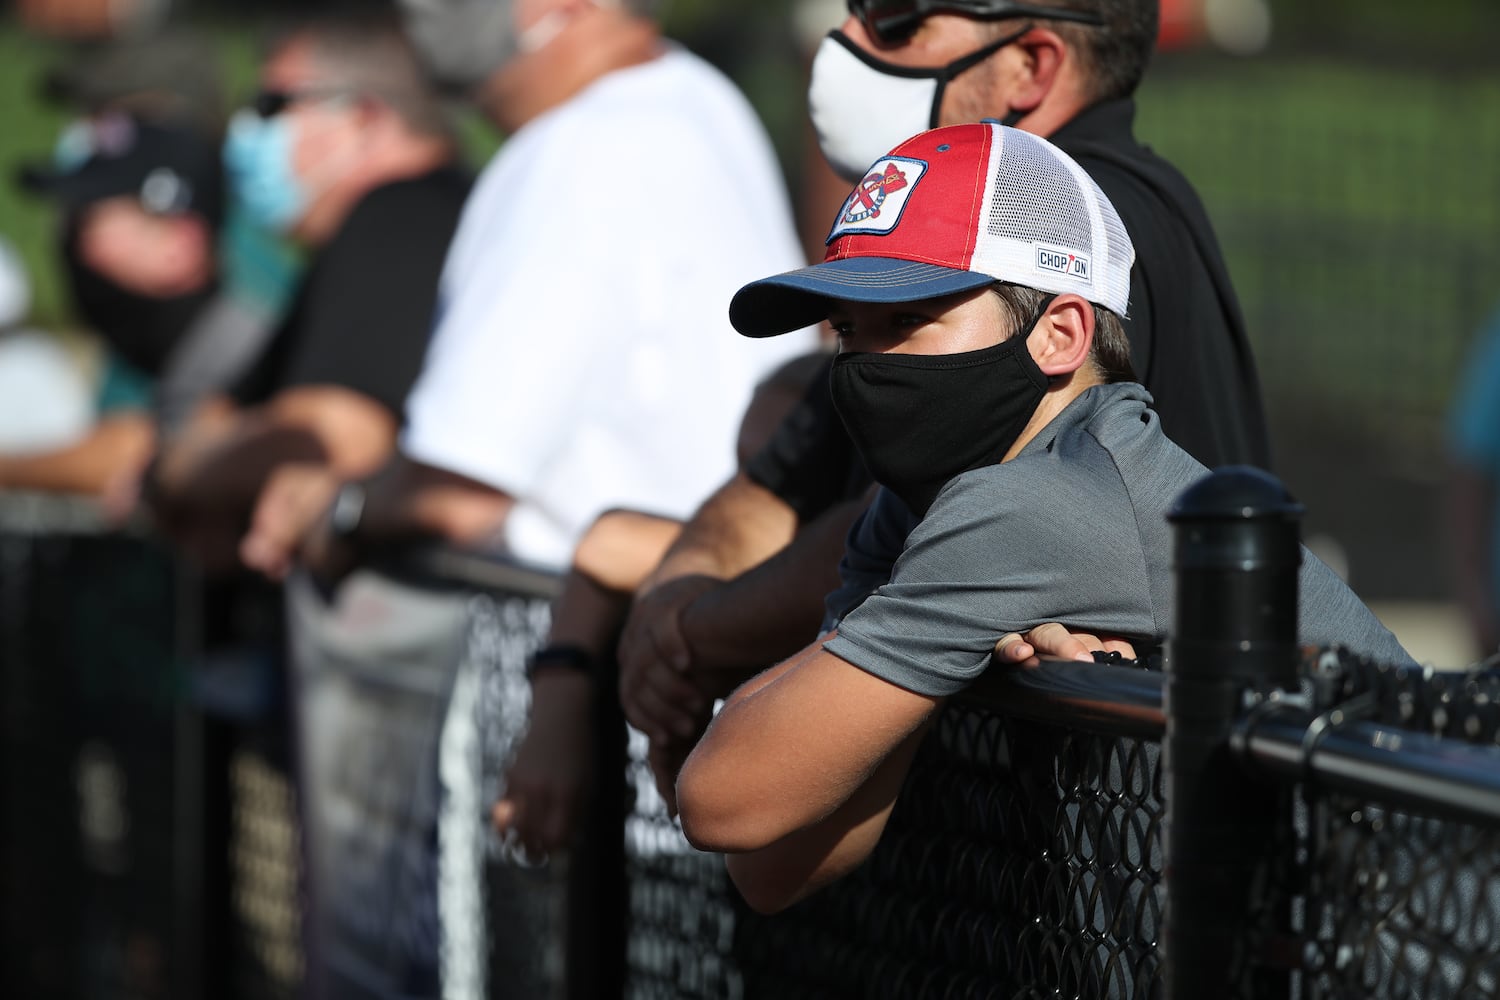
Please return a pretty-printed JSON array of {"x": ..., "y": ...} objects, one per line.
[
  {"x": 405, "y": 500},
  {"x": 798, "y": 772},
  {"x": 694, "y": 638},
  {"x": 226, "y": 460},
  {"x": 117, "y": 446},
  {"x": 740, "y": 525},
  {"x": 770, "y": 611},
  {"x": 409, "y": 499}
]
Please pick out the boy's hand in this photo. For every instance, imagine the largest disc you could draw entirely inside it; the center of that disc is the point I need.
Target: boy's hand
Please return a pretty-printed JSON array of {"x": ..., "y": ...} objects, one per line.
[{"x": 1055, "y": 640}]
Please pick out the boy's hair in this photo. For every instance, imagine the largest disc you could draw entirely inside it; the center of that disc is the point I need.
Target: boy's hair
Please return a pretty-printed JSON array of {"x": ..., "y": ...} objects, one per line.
[{"x": 1110, "y": 351}]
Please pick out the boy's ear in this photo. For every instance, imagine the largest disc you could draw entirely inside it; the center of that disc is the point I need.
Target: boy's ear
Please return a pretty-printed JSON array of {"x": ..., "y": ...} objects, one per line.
[{"x": 1063, "y": 336}]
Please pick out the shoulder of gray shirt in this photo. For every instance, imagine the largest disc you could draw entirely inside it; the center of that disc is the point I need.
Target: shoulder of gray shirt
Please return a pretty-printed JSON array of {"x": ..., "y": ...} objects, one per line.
[{"x": 1114, "y": 423}]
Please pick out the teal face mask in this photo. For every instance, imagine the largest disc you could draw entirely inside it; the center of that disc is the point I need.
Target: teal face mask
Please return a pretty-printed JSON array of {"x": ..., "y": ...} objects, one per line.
[
  {"x": 258, "y": 160},
  {"x": 75, "y": 144}
]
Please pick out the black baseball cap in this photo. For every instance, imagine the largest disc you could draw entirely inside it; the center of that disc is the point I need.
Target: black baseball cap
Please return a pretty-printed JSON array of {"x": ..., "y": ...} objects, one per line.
[{"x": 170, "y": 168}]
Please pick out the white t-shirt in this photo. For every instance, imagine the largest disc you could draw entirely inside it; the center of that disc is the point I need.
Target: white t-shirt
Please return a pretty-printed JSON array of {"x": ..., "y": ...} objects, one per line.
[
  {"x": 582, "y": 358},
  {"x": 46, "y": 403}
]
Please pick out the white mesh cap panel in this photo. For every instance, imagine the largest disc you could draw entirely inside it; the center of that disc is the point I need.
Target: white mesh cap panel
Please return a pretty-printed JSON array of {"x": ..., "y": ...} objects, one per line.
[{"x": 1047, "y": 225}]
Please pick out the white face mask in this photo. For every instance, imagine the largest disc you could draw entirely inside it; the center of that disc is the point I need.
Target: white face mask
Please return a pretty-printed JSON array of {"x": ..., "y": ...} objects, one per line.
[
  {"x": 863, "y": 107},
  {"x": 461, "y": 42}
]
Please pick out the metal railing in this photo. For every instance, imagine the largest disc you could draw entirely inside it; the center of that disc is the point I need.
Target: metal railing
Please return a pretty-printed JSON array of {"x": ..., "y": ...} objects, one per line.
[{"x": 1252, "y": 821}]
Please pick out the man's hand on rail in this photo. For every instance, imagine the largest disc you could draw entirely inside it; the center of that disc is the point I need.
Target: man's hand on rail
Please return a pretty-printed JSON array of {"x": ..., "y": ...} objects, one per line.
[
  {"x": 292, "y": 502},
  {"x": 1055, "y": 640},
  {"x": 544, "y": 788},
  {"x": 666, "y": 762},
  {"x": 657, "y": 692}
]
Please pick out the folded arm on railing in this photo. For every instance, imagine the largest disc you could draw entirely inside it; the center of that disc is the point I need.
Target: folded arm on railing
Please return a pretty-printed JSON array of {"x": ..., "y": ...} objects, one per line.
[{"x": 798, "y": 773}]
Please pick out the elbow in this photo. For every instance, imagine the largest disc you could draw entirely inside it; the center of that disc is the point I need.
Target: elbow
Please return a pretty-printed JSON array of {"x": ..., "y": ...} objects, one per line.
[
  {"x": 762, "y": 888},
  {"x": 715, "y": 817}
]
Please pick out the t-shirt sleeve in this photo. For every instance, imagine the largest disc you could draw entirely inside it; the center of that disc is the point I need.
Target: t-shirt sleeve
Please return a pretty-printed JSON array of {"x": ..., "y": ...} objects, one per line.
[
  {"x": 873, "y": 545},
  {"x": 1330, "y": 614},
  {"x": 1474, "y": 421},
  {"x": 365, "y": 322},
  {"x": 810, "y": 461},
  {"x": 1001, "y": 550}
]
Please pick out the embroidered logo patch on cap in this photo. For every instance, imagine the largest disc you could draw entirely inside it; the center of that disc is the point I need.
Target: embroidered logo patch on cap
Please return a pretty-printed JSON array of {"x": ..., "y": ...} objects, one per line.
[
  {"x": 1062, "y": 262},
  {"x": 875, "y": 204}
]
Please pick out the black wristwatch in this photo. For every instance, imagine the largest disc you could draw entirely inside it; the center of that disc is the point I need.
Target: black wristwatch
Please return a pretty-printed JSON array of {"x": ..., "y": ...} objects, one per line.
[
  {"x": 569, "y": 656},
  {"x": 348, "y": 511}
]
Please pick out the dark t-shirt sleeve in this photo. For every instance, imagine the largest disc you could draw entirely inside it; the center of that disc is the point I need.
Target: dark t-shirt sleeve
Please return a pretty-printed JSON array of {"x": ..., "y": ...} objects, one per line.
[
  {"x": 363, "y": 318},
  {"x": 810, "y": 461}
]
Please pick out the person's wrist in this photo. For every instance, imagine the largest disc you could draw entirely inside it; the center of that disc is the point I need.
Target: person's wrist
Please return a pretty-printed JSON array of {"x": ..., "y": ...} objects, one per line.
[
  {"x": 570, "y": 657},
  {"x": 348, "y": 512}
]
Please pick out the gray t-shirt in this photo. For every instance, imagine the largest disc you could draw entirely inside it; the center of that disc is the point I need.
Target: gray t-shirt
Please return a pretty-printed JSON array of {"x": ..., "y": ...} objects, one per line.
[{"x": 1072, "y": 530}]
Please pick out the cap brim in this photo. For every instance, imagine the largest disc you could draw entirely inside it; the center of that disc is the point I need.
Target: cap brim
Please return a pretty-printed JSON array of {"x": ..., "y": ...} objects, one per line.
[
  {"x": 800, "y": 298},
  {"x": 73, "y": 187}
]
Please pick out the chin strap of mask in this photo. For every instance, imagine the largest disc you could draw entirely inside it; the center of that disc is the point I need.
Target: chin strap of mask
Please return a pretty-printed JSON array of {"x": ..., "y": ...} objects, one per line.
[{"x": 959, "y": 65}]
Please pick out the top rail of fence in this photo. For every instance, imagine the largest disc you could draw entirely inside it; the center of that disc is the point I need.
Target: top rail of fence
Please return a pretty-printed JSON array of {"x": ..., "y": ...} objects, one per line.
[{"x": 1100, "y": 698}]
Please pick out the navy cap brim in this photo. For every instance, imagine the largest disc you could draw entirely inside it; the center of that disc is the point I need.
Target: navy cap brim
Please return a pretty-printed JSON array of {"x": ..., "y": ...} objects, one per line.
[
  {"x": 76, "y": 187},
  {"x": 800, "y": 298}
]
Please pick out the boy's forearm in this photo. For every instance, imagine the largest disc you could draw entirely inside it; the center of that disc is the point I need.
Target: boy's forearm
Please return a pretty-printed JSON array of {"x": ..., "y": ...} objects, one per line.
[
  {"x": 775, "y": 877},
  {"x": 790, "y": 748}
]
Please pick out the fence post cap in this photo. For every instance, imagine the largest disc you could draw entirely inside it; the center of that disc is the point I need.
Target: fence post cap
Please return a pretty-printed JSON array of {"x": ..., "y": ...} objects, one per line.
[{"x": 1235, "y": 493}]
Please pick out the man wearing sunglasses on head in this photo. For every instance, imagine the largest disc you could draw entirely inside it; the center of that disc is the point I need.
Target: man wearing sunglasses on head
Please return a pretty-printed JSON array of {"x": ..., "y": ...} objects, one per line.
[{"x": 1064, "y": 69}]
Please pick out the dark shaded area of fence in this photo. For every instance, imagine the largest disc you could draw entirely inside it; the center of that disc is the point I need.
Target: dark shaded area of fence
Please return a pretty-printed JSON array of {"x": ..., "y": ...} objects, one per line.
[
  {"x": 91, "y": 836},
  {"x": 1026, "y": 857},
  {"x": 1033, "y": 852},
  {"x": 1023, "y": 858}
]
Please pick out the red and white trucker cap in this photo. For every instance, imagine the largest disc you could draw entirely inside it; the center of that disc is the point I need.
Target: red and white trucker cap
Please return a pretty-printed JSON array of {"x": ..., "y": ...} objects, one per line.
[{"x": 950, "y": 210}]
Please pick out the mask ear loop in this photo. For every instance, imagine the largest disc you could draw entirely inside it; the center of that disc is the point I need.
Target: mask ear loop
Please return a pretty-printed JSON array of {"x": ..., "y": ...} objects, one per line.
[{"x": 959, "y": 65}]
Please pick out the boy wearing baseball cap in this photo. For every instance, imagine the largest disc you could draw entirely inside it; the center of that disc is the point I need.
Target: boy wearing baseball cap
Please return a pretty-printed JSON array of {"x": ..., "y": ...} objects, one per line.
[{"x": 976, "y": 278}]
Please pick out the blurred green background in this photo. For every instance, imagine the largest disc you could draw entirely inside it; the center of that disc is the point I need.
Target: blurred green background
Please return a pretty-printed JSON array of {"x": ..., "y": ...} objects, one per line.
[{"x": 1349, "y": 166}]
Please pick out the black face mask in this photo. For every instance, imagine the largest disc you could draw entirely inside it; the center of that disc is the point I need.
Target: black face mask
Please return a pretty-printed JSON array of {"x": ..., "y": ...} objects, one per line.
[
  {"x": 919, "y": 420},
  {"x": 144, "y": 330}
]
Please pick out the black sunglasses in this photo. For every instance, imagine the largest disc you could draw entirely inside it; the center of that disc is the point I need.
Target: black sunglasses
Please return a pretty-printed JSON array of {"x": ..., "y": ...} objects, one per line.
[
  {"x": 891, "y": 21},
  {"x": 270, "y": 103}
]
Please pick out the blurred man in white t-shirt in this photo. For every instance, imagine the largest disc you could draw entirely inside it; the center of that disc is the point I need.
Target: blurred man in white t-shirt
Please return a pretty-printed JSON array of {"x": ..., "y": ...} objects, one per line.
[{"x": 581, "y": 358}]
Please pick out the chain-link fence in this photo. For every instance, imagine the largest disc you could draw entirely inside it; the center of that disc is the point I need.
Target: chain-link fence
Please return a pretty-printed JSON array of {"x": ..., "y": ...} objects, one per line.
[
  {"x": 1022, "y": 859},
  {"x": 1042, "y": 846},
  {"x": 93, "y": 833}
]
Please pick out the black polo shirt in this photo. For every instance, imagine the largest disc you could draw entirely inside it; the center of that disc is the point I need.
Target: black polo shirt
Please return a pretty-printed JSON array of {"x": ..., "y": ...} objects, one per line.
[
  {"x": 362, "y": 316},
  {"x": 1187, "y": 334}
]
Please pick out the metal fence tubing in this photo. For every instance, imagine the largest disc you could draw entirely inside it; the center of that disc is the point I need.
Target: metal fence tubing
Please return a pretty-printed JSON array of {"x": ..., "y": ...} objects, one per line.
[
  {"x": 593, "y": 924},
  {"x": 1399, "y": 768},
  {"x": 1098, "y": 698},
  {"x": 1236, "y": 560}
]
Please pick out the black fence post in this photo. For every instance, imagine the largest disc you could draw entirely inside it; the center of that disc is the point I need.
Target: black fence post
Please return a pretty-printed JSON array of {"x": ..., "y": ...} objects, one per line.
[{"x": 1237, "y": 557}]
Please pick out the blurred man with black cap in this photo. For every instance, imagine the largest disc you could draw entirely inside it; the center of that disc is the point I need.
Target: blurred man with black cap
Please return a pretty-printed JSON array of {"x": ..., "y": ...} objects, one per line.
[
  {"x": 143, "y": 209},
  {"x": 142, "y": 204}
]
